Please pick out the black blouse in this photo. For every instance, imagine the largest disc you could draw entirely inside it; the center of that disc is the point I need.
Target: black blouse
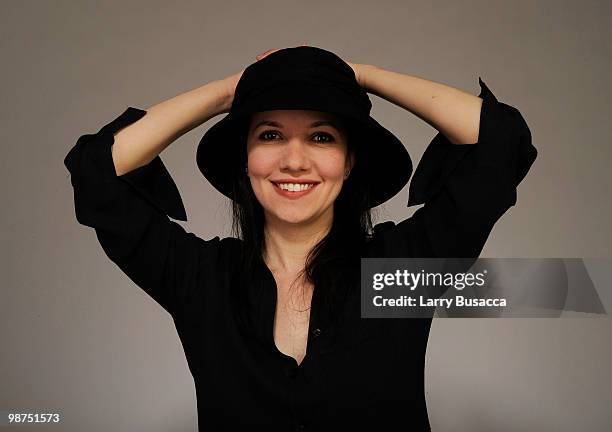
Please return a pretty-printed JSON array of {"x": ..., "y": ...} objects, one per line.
[{"x": 357, "y": 373}]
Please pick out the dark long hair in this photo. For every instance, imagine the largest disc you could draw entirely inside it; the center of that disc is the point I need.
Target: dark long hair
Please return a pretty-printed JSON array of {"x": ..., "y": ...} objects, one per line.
[{"x": 328, "y": 264}]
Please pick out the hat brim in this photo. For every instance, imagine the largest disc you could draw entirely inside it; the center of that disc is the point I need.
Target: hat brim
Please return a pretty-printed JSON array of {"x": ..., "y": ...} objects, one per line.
[{"x": 381, "y": 157}]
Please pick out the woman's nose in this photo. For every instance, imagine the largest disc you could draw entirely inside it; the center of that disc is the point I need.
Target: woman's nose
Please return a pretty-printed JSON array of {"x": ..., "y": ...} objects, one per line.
[{"x": 295, "y": 156}]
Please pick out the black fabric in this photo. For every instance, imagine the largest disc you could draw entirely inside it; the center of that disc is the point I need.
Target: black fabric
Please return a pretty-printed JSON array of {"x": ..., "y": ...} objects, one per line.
[{"x": 358, "y": 373}]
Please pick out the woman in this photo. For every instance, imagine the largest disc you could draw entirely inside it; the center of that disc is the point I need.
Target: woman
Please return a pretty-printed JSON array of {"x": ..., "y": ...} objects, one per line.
[{"x": 265, "y": 347}]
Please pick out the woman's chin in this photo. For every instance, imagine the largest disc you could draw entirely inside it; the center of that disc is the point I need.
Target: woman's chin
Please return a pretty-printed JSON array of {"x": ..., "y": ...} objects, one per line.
[
  {"x": 291, "y": 219},
  {"x": 296, "y": 220}
]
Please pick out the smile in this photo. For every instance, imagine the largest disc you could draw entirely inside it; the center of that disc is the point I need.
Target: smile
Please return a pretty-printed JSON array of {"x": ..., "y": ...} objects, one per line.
[{"x": 294, "y": 190}]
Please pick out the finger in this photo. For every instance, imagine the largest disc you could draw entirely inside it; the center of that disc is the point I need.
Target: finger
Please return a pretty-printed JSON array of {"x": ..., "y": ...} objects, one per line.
[{"x": 265, "y": 53}]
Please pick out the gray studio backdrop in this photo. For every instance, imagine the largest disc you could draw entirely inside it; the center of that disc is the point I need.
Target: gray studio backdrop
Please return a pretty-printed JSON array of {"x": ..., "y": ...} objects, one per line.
[{"x": 79, "y": 338}]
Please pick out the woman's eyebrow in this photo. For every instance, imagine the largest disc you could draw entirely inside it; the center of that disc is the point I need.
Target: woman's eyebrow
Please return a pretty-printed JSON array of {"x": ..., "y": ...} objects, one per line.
[{"x": 315, "y": 124}]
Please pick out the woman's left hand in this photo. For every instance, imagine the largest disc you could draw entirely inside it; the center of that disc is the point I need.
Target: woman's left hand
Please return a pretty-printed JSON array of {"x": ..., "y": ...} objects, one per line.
[{"x": 357, "y": 68}]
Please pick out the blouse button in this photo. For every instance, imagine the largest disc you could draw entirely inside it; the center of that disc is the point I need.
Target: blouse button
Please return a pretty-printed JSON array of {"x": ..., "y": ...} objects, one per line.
[{"x": 316, "y": 332}]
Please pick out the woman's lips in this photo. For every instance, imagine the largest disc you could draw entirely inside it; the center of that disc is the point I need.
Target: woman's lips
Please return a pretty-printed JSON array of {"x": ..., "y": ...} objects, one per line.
[{"x": 293, "y": 194}]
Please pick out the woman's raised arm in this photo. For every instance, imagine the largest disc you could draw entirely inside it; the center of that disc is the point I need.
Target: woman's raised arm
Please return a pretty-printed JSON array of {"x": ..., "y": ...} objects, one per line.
[
  {"x": 465, "y": 188},
  {"x": 451, "y": 111},
  {"x": 123, "y": 190},
  {"x": 138, "y": 144}
]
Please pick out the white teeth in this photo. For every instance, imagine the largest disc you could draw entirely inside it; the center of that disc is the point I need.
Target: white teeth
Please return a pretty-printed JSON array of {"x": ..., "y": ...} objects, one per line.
[{"x": 295, "y": 187}]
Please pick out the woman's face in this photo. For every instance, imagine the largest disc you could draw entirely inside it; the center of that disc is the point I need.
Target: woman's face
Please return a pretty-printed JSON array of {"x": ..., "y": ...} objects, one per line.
[{"x": 295, "y": 149}]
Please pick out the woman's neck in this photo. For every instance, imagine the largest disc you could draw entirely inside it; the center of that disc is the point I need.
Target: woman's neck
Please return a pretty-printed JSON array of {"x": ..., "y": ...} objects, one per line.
[{"x": 288, "y": 245}]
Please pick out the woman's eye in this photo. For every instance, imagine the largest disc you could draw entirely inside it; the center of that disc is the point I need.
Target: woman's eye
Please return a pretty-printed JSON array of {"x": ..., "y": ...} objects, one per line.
[
  {"x": 328, "y": 137},
  {"x": 266, "y": 135}
]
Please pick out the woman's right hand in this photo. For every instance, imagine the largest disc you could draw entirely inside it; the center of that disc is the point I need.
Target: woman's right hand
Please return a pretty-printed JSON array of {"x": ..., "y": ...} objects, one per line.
[{"x": 229, "y": 86}]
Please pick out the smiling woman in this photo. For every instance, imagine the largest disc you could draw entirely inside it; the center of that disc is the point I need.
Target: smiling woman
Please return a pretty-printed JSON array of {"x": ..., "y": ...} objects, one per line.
[
  {"x": 270, "y": 319},
  {"x": 285, "y": 163}
]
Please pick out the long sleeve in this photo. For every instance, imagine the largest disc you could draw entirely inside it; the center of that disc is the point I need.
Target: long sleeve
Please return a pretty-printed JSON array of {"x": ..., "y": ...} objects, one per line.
[
  {"x": 465, "y": 189},
  {"x": 129, "y": 214}
]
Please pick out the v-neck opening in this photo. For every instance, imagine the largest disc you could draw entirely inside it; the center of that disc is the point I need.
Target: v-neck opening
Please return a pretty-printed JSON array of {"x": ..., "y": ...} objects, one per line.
[{"x": 270, "y": 316}]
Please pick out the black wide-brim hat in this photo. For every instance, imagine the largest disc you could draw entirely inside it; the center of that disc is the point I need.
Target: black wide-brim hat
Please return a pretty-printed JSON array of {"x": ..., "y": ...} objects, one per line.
[{"x": 305, "y": 78}]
